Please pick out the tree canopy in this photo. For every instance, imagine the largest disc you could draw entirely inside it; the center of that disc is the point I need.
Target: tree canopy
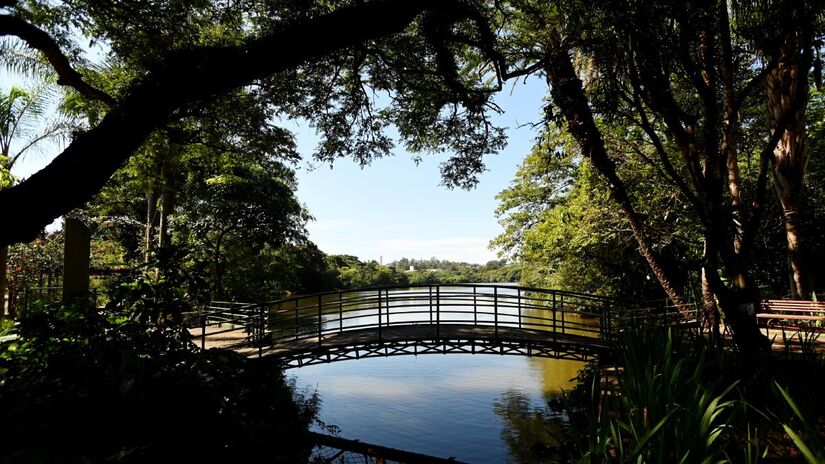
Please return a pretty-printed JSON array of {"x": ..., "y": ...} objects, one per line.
[{"x": 185, "y": 53}]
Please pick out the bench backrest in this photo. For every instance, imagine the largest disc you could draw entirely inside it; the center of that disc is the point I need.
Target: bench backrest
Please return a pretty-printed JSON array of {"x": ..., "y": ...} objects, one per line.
[{"x": 793, "y": 306}]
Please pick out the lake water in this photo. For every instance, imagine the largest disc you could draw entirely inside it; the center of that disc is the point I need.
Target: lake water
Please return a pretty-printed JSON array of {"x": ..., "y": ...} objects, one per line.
[
  {"x": 441, "y": 405},
  {"x": 470, "y": 407}
]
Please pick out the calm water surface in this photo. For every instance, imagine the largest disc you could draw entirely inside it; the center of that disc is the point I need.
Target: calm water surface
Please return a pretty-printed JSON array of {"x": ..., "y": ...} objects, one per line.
[{"x": 442, "y": 405}]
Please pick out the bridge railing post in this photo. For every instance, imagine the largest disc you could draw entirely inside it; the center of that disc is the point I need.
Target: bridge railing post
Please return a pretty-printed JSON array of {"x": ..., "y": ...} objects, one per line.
[
  {"x": 475, "y": 305},
  {"x": 297, "y": 323},
  {"x": 431, "y": 303},
  {"x": 495, "y": 310},
  {"x": 438, "y": 312},
  {"x": 605, "y": 322},
  {"x": 261, "y": 330},
  {"x": 320, "y": 319},
  {"x": 561, "y": 309},
  {"x": 203, "y": 329},
  {"x": 341, "y": 311},
  {"x": 554, "y": 318},
  {"x": 380, "y": 334},
  {"x": 519, "y": 307}
]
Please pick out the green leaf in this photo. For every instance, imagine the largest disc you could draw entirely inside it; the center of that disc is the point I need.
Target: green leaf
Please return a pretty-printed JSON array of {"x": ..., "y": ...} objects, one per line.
[
  {"x": 803, "y": 448},
  {"x": 640, "y": 446}
]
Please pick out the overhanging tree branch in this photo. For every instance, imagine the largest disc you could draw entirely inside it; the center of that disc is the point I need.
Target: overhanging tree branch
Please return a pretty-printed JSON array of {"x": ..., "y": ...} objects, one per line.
[
  {"x": 40, "y": 40},
  {"x": 82, "y": 169}
]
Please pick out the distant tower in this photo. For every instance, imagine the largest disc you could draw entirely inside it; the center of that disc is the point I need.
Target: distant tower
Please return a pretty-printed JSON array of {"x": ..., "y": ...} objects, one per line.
[{"x": 381, "y": 260}]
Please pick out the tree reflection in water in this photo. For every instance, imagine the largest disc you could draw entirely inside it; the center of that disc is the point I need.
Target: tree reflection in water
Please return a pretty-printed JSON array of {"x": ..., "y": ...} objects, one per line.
[{"x": 555, "y": 431}]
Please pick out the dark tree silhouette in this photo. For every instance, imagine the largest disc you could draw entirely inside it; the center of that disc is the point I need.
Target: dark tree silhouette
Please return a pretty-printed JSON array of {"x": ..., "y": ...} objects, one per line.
[{"x": 192, "y": 75}]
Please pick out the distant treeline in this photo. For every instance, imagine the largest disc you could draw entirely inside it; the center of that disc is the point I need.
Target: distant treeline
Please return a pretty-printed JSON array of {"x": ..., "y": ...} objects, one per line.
[
  {"x": 351, "y": 272},
  {"x": 434, "y": 270}
]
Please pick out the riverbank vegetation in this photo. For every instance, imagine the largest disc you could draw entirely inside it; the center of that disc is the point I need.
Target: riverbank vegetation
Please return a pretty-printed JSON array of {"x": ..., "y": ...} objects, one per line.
[
  {"x": 125, "y": 384},
  {"x": 668, "y": 397}
]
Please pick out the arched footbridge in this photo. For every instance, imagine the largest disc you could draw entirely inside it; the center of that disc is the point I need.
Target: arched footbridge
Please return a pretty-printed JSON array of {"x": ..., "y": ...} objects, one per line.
[{"x": 429, "y": 319}]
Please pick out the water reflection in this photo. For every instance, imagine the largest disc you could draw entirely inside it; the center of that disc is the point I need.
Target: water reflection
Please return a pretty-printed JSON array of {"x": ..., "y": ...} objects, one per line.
[
  {"x": 532, "y": 434},
  {"x": 476, "y": 408},
  {"x": 556, "y": 375}
]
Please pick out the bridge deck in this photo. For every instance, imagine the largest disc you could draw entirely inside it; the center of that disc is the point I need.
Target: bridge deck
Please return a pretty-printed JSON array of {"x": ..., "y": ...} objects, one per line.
[{"x": 455, "y": 334}]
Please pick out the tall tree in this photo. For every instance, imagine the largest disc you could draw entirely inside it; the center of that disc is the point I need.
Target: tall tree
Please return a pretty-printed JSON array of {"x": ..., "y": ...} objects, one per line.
[
  {"x": 682, "y": 73},
  {"x": 788, "y": 36}
]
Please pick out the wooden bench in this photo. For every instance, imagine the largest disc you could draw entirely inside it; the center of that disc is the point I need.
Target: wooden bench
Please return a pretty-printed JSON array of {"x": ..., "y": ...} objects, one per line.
[{"x": 799, "y": 315}]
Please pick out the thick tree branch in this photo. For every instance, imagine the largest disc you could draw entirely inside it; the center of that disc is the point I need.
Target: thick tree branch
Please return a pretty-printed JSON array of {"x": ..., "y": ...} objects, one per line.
[
  {"x": 40, "y": 40},
  {"x": 82, "y": 169}
]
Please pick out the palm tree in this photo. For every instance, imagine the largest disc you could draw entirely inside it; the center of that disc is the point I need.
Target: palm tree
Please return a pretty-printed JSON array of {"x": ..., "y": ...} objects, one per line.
[{"x": 24, "y": 127}]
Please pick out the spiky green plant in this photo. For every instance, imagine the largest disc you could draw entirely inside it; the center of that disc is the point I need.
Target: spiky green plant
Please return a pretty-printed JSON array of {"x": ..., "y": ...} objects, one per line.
[{"x": 667, "y": 410}]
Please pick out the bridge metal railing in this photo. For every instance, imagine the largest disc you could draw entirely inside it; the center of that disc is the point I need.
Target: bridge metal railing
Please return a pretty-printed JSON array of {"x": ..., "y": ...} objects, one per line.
[
  {"x": 496, "y": 306},
  {"x": 661, "y": 313},
  {"x": 244, "y": 321},
  {"x": 318, "y": 317}
]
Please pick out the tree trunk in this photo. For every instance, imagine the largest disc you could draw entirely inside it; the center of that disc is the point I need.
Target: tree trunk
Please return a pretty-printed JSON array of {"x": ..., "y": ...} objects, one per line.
[
  {"x": 151, "y": 221},
  {"x": 787, "y": 91},
  {"x": 217, "y": 267},
  {"x": 711, "y": 310},
  {"x": 568, "y": 95},
  {"x": 166, "y": 206}
]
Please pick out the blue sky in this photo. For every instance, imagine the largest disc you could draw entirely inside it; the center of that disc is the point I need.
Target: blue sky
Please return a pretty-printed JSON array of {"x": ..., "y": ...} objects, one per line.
[{"x": 394, "y": 209}]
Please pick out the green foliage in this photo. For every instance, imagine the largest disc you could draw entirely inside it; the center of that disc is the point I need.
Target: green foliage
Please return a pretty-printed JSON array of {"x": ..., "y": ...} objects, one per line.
[
  {"x": 160, "y": 296},
  {"x": 813, "y": 454},
  {"x": 563, "y": 228},
  {"x": 669, "y": 397},
  {"x": 38, "y": 264},
  {"x": 436, "y": 271},
  {"x": 269, "y": 273},
  {"x": 85, "y": 385},
  {"x": 350, "y": 272},
  {"x": 670, "y": 409}
]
